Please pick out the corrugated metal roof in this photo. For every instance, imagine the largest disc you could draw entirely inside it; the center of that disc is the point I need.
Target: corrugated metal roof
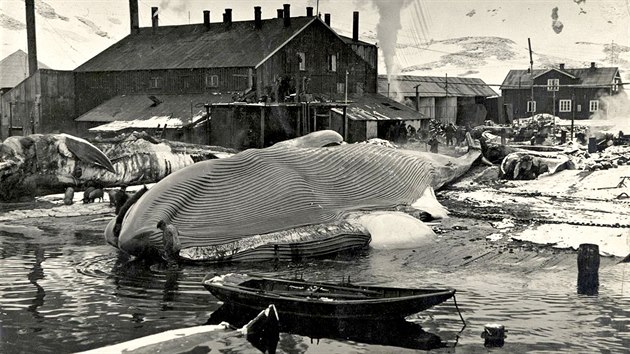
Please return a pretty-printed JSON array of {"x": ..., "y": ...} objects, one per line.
[
  {"x": 192, "y": 46},
  {"x": 374, "y": 106},
  {"x": 585, "y": 76},
  {"x": 435, "y": 86},
  {"x": 185, "y": 107},
  {"x": 14, "y": 69}
]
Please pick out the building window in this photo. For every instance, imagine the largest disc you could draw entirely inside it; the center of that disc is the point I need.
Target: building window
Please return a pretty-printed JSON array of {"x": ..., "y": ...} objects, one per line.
[
  {"x": 341, "y": 87},
  {"x": 155, "y": 82},
  {"x": 615, "y": 86},
  {"x": 593, "y": 106},
  {"x": 565, "y": 105},
  {"x": 185, "y": 82},
  {"x": 332, "y": 62},
  {"x": 553, "y": 84},
  {"x": 212, "y": 80},
  {"x": 531, "y": 106},
  {"x": 302, "y": 60}
]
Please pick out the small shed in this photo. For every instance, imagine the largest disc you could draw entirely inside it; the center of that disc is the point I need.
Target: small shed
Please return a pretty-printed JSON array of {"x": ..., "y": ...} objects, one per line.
[{"x": 374, "y": 115}]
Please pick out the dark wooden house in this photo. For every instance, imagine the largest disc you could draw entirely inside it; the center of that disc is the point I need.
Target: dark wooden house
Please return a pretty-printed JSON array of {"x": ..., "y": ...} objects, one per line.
[
  {"x": 276, "y": 60},
  {"x": 563, "y": 92}
]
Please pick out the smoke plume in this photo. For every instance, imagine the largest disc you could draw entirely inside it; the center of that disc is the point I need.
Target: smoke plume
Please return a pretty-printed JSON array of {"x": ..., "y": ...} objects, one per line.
[
  {"x": 177, "y": 6},
  {"x": 387, "y": 34},
  {"x": 616, "y": 110}
]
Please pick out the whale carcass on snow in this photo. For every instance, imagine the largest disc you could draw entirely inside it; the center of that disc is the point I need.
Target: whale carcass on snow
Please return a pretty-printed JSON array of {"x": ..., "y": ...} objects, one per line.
[{"x": 287, "y": 201}]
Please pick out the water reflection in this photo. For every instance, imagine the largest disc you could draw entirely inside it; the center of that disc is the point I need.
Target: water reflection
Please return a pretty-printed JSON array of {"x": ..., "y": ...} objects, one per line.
[{"x": 397, "y": 333}]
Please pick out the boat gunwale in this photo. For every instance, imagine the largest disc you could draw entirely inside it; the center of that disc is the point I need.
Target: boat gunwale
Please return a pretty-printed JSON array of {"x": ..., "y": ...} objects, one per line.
[{"x": 271, "y": 295}]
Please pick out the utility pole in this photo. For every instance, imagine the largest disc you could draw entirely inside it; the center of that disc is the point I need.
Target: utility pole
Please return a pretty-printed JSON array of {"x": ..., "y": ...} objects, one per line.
[
  {"x": 346, "y": 100},
  {"x": 612, "y": 53},
  {"x": 573, "y": 114},
  {"x": 531, "y": 70}
]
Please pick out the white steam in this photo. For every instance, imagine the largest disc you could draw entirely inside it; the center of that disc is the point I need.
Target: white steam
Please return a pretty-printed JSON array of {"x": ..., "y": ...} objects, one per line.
[
  {"x": 177, "y": 6},
  {"x": 387, "y": 33},
  {"x": 616, "y": 110}
]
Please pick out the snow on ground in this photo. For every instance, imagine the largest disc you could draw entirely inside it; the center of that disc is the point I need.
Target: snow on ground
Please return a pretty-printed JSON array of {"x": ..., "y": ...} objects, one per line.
[{"x": 571, "y": 196}]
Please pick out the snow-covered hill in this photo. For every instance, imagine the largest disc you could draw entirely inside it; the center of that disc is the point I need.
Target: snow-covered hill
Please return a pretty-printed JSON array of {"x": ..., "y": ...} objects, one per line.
[{"x": 473, "y": 38}]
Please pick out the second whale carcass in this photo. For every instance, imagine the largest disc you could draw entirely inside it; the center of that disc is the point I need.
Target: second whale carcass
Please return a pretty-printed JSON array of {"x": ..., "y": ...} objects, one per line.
[{"x": 291, "y": 200}]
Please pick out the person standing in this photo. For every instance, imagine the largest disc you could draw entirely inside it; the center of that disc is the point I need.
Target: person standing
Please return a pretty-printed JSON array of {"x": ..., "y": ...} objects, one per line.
[
  {"x": 450, "y": 133},
  {"x": 170, "y": 240},
  {"x": 433, "y": 143}
]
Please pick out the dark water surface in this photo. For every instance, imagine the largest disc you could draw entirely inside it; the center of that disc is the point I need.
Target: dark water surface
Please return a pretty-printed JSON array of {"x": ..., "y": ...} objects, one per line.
[{"x": 65, "y": 291}]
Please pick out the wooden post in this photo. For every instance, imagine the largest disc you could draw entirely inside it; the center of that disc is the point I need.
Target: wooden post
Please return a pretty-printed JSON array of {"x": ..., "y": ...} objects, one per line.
[
  {"x": 262, "y": 127},
  {"x": 345, "y": 124},
  {"x": 588, "y": 268},
  {"x": 329, "y": 118}
]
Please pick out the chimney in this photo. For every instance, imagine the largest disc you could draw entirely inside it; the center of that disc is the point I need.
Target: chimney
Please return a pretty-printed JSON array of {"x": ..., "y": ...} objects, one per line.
[
  {"x": 309, "y": 11},
  {"x": 287, "y": 15},
  {"x": 561, "y": 66},
  {"x": 154, "y": 18},
  {"x": 206, "y": 19},
  {"x": 228, "y": 17},
  {"x": 355, "y": 26},
  {"x": 134, "y": 23},
  {"x": 30, "y": 37},
  {"x": 327, "y": 19},
  {"x": 257, "y": 17},
  {"x": 280, "y": 13}
]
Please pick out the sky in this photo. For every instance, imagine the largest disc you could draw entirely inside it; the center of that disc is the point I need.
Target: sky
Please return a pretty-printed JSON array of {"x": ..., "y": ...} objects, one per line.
[{"x": 474, "y": 38}]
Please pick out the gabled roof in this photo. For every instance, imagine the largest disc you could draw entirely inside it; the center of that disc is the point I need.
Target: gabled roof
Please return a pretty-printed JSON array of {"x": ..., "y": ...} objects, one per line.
[
  {"x": 586, "y": 76},
  {"x": 563, "y": 72},
  {"x": 194, "y": 46},
  {"x": 124, "y": 108},
  {"x": 374, "y": 106},
  {"x": 435, "y": 86},
  {"x": 14, "y": 69}
]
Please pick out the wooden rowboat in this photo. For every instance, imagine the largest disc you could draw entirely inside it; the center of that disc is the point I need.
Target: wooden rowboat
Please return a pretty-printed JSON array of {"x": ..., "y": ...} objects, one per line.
[{"x": 324, "y": 301}]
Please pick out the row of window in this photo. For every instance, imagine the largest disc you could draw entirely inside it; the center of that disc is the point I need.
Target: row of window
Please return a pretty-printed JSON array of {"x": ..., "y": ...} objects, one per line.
[
  {"x": 331, "y": 60},
  {"x": 566, "y": 105},
  {"x": 211, "y": 81},
  {"x": 554, "y": 85}
]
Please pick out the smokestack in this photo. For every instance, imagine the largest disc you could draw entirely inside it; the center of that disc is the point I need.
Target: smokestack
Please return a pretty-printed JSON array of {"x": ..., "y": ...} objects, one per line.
[
  {"x": 355, "y": 26},
  {"x": 228, "y": 17},
  {"x": 309, "y": 11},
  {"x": 206, "y": 19},
  {"x": 154, "y": 18},
  {"x": 134, "y": 23},
  {"x": 30, "y": 37},
  {"x": 257, "y": 17},
  {"x": 280, "y": 13},
  {"x": 287, "y": 15},
  {"x": 327, "y": 19},
  {"x": 561, "y": 66}
]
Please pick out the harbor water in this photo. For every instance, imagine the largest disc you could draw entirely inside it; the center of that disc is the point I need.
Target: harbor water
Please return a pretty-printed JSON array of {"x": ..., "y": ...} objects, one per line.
[{"x": 64, "y": 290}]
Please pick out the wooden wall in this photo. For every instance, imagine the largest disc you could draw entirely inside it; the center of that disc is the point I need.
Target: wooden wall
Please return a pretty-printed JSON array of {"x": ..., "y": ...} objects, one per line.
[
  {"x": 43, "y": 103},
  {"x": 94, "y": 88},
  {"x": 317, "y": 43}
]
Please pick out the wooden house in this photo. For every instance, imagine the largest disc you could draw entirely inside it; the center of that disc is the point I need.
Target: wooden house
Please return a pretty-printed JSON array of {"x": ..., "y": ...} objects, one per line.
[
  {"x": 563, "y": 92},
  {"x": 285, "y": 59}
]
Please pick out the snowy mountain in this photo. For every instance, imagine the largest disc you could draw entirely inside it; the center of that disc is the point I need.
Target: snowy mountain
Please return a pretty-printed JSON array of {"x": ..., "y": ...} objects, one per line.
[{"x": 474, "y": 38}]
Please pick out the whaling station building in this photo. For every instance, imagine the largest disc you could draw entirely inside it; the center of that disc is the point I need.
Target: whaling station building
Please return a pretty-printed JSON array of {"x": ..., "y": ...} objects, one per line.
[
  {"x": 563, "y": 92},
  {"x": 257, "y": 81}
]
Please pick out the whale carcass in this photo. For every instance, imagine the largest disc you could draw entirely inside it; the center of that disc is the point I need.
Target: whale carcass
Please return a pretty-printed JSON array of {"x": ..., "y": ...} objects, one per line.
[
  {"x": 41, "y": 164},
  {"x": 286, "y": 201}
]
